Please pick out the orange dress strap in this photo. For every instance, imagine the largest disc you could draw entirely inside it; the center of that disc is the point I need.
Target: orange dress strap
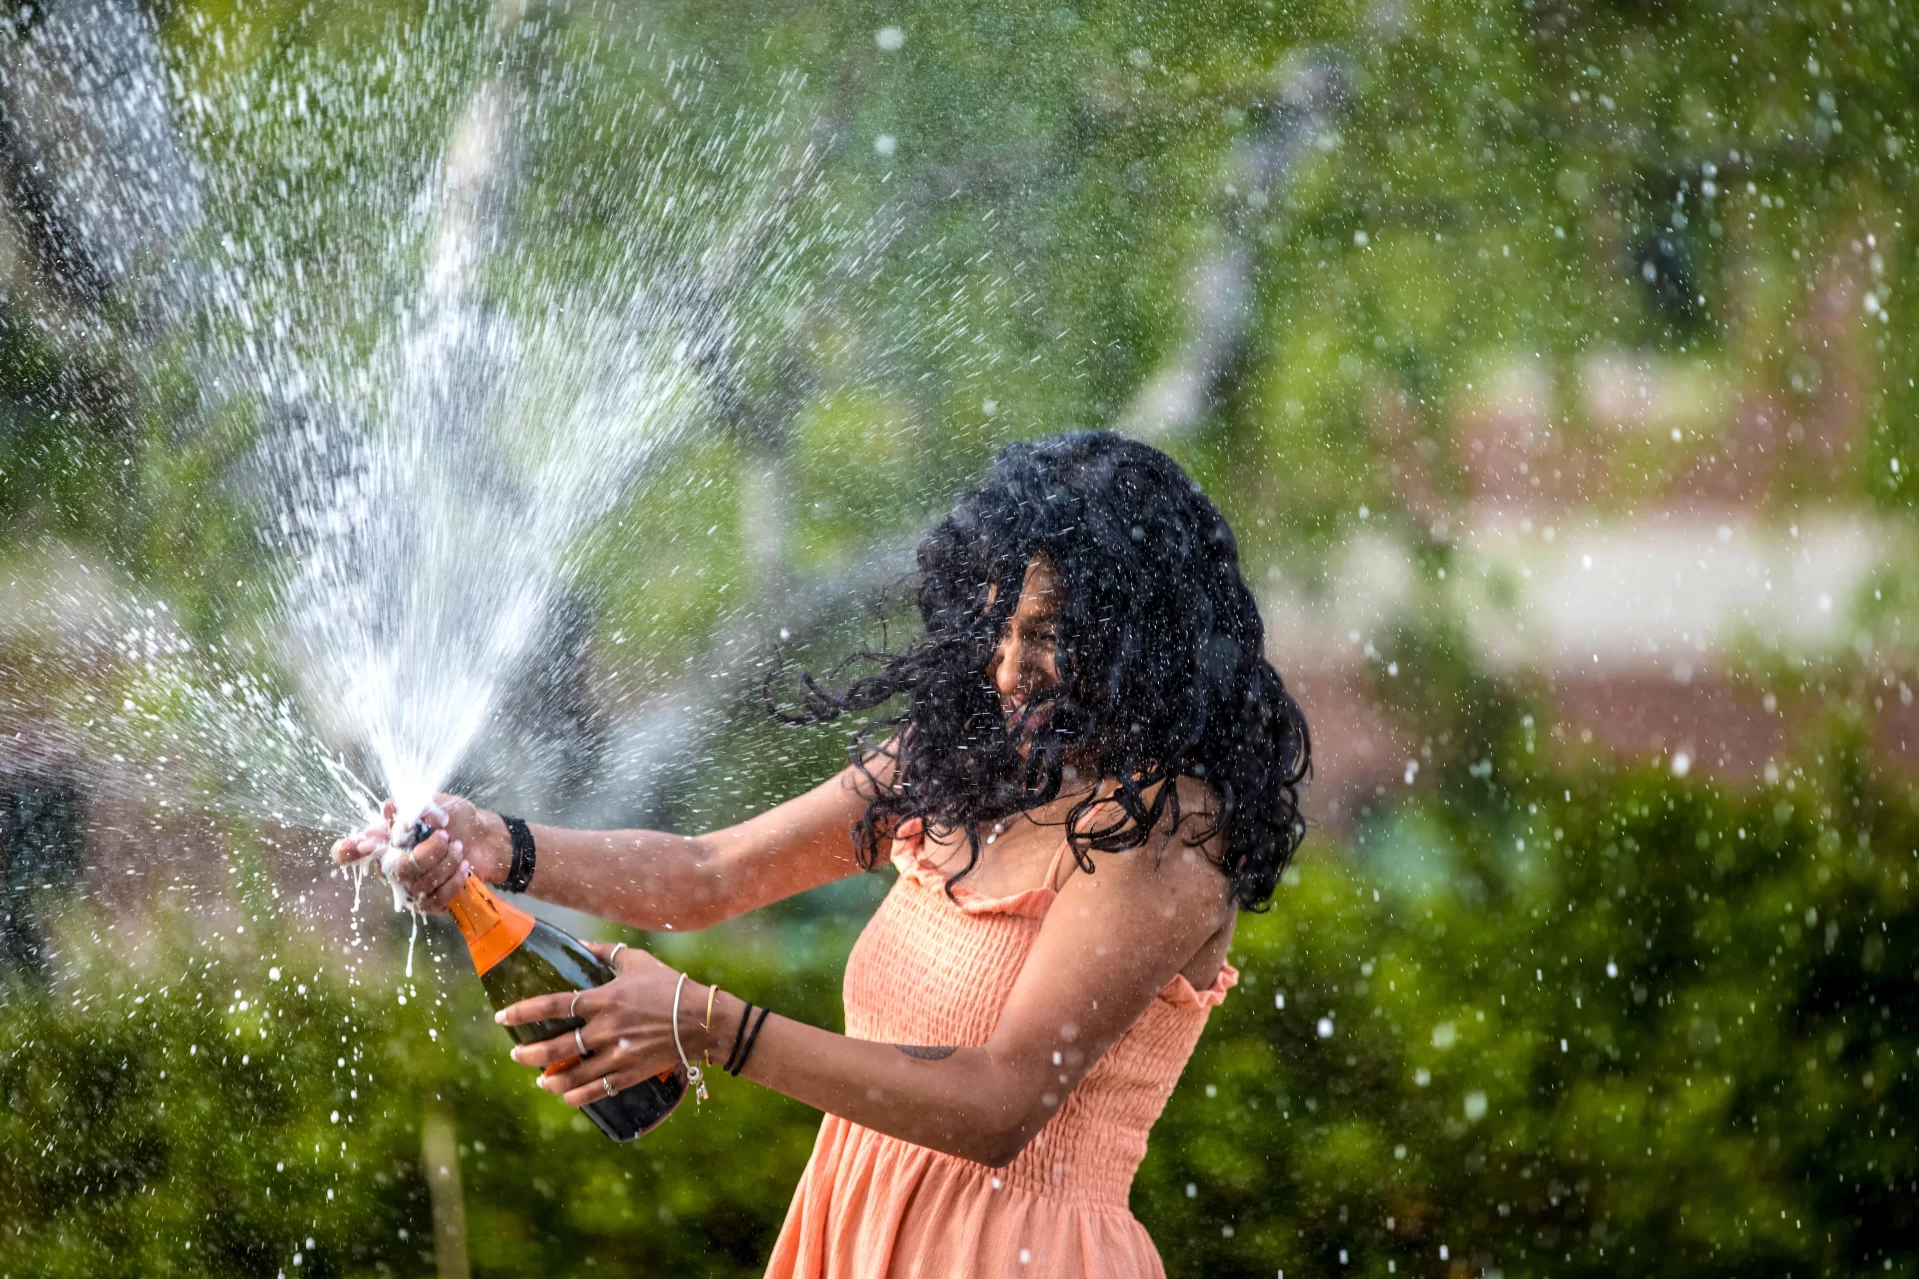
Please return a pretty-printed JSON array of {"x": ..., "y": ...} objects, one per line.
[{"x": 1052, "y": 867}]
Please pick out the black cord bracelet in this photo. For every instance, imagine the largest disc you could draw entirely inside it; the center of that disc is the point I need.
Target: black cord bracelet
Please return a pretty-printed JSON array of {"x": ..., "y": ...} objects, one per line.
[
  {"x": 750, "y": 1041},
  {"x": 519, "y": 876},
  {"x": 738, "y": 1036}
]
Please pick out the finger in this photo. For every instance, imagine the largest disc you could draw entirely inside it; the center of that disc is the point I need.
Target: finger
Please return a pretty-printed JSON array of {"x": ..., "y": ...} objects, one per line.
[
  {"x": 554, "y": 1007},
  {"x": 434, "y": 863},
  {"x": 371, "y": 835},
  {"x": 440, "y": 894},
  {"x": 561, "y": 1050},
  {"x": 573, "y": 1073},
  {"x": 623, "y": 956},
  {"x": 420, "y": 868},
  {"x": 604, "y": 951},
  {"x": 442, "y": 897},
  {"x": 433, "y": 885},
  {"x": 353, "y": 848},
  {"x": 596, "y": 1091},
  {"x": 442, "y": 863},
  {"x": 388, "y": 809}
]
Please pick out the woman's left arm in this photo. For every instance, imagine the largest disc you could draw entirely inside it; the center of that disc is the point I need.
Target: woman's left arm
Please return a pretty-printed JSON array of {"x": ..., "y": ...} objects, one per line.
[{"x": 1110, "y": 942}]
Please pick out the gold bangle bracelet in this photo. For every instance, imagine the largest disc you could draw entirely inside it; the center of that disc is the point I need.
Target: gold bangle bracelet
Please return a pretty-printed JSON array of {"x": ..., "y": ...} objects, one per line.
[{"x": 706, "y": 1054}]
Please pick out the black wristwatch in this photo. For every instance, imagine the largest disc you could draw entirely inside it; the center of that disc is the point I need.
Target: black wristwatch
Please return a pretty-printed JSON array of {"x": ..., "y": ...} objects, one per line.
[{"x": 519, "y": 875}]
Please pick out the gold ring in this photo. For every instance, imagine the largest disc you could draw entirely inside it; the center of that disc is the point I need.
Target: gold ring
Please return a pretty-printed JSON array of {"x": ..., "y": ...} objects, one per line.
[{"x": 606, "y": 1082}]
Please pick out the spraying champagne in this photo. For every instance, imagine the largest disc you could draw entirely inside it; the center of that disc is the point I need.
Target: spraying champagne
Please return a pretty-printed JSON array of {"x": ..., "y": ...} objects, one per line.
[{"x": 517, "y": 957}]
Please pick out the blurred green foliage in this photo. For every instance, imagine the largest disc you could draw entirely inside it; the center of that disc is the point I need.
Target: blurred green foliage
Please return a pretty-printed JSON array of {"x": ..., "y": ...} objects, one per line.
[
  {"x": 1055, "y": 170},
  {"x": 1628, "y": 1025},
  {"x": 1597, "y": 1023},
  {"x": 1580, "y": 1021}
]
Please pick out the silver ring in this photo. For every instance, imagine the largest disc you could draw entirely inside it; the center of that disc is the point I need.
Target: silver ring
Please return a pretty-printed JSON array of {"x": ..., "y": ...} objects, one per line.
[
  {"x": 575, "y": 1003},
  {"x": 581, "y": 1041},
  {"x": 606, "y": 1082},
  {"x": 615, "y": 952}
]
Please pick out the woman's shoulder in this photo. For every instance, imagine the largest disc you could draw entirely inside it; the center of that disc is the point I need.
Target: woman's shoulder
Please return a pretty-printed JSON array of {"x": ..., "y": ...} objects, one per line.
[
  {"x": 1182, "y": 848},
  {"x": 1196, "y": 799},
  {"x": 1190, "y": 822}
]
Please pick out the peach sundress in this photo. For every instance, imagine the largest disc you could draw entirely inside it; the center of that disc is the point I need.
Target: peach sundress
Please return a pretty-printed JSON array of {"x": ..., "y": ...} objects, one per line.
[{"x": 927, "y": 970}]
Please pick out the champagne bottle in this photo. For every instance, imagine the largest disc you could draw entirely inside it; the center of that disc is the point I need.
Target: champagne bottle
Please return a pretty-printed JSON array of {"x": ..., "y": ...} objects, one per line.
[{"x": 517, "y": 957}]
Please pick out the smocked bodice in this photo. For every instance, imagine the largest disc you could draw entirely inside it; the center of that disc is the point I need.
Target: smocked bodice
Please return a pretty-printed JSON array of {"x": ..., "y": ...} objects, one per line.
[{"x": 933, "y": 969}]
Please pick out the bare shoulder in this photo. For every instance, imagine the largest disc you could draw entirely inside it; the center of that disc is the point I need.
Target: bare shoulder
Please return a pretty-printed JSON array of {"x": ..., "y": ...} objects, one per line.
[
  {"x": 1197, "y": 803},
  {"x": 1176, "y": 860}
]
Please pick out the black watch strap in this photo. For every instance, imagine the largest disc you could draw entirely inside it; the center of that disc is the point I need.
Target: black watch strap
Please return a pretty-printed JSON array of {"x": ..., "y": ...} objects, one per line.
[{"x": 519, "y": 875}]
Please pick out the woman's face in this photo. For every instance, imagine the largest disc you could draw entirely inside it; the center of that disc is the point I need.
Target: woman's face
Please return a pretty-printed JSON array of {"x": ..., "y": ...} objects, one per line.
[{"x": 1026, "y": 659}]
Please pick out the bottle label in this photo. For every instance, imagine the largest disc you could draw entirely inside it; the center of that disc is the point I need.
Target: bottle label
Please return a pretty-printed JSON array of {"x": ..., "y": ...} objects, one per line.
[{"x": 493, "y": 929}]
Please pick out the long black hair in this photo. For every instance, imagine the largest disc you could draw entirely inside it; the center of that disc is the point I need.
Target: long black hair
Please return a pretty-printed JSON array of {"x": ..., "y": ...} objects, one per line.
[{"x": 1162, "y": 670}]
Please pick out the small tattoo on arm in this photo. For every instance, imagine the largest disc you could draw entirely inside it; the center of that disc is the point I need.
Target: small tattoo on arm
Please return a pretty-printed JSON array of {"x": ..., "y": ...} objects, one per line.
[{"x": 924, "y": 1053}]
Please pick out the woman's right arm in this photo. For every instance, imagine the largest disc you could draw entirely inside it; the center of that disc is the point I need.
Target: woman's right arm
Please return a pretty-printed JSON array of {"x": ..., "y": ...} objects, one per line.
[{"x": 647, "y": 879}]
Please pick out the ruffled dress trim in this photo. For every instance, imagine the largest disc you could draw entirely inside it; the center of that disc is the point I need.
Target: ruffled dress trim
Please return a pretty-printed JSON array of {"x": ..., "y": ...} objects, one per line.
[
  {"x": 1031, "y": 903},
  {"x": 913, "y": 865}
]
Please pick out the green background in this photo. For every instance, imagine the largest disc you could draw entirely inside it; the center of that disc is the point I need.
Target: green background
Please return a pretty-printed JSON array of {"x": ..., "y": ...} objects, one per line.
[{"x": 1585, "y": 1016}]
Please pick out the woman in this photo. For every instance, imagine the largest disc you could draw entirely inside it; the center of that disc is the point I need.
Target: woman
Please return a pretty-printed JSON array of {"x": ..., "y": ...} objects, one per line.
[{"x": 1092, "y": 767}]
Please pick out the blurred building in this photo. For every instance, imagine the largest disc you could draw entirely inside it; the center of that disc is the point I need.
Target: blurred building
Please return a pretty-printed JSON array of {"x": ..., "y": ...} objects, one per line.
[{"x": 1664, "y": 552}]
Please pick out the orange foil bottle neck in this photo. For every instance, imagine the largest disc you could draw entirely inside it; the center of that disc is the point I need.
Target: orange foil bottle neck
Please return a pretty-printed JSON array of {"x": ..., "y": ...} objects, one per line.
[{"x": 493, "y": 929}]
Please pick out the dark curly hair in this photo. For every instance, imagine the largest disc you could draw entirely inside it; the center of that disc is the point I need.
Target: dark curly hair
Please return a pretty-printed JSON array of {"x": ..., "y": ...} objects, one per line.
[{"x": 1162, "y": 670}]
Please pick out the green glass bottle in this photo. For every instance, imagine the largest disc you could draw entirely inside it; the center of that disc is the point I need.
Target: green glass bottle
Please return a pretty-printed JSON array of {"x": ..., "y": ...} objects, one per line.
[{"x": 517, "y": 957}]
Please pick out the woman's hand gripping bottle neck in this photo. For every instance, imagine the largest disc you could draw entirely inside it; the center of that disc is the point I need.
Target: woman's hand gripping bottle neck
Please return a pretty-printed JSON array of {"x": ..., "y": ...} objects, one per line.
[
  {"x": 430, "y": 858},
  {"x": 521, "y": 960}
]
